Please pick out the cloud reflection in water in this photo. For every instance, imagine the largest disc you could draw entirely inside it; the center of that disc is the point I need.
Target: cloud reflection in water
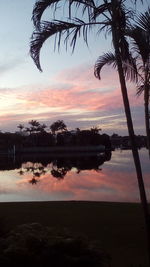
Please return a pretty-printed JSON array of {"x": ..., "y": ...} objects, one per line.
[{"x": 115, "y": 182}]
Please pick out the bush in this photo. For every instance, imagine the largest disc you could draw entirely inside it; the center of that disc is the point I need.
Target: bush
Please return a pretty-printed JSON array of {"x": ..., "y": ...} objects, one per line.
[{"x": 35, "y": 245}]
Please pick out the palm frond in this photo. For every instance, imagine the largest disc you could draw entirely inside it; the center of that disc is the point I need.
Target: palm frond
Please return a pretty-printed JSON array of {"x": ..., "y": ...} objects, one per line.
[
  {"x": 130, "y": 69},
  {"x": 135, "y": 1},
  {"x": 83, "y": 5},
  {"x": 140, "y": 89},
  {"x": 143, "y": 20},
  {"x": 100, "y": 10},
  {"x": 69, "y": 31},
  {"x": 129, "y": 66},
  {"x": 86, "y": 2},
  {"x": 143, "y": 86},
  {"x": 39, "y": 7},
  {"x": 106, "y": 59},
  {"x": 140, "y": 42},
  {"x": 47, "y": 30}
]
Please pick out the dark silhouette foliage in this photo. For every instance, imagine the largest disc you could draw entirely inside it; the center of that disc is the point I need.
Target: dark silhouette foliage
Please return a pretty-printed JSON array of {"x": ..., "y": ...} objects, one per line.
[
  {"x": 36, "y": 245},
  {"x": 58, "y": 125}
]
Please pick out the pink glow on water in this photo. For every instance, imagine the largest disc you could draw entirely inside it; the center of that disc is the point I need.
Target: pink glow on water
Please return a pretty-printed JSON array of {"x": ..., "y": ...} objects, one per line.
[{"x": 116, "y": 181}]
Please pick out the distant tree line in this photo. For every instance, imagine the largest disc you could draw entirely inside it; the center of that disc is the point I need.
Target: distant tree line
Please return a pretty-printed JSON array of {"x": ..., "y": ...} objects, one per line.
[
  {"x": 35, "y": 134},
  {"x": 57, "y": 134},
  {"x": 124, "y": 141},
  {"x": 37, "y": 127}
]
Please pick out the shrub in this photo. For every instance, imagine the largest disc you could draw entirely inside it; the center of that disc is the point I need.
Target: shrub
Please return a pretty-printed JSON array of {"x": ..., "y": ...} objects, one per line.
[{"x": 36, "y": 245}]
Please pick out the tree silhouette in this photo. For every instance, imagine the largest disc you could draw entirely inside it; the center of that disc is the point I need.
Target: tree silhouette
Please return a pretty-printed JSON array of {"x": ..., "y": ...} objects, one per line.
[
  {"x": 137, "y": 67},
  {"x": 140, "y": 34},
  {"x": 58, "y": 125},
  {"x": 111, "y": 15},
  {"x": 95, "y": 129},
  {"x": 33, "y": 181},
  {"x": 42, "y": 127},
  {"x": 59, "y": 173},
  {"x": 34, "y": 126},
  {"x": 21, "y": 127}
]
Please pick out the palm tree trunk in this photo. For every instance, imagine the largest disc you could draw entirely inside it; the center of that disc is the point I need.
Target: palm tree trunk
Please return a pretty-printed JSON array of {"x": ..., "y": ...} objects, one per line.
[
  {"x": 135, "y": 153},
  {"x": 146, "y": 102}
]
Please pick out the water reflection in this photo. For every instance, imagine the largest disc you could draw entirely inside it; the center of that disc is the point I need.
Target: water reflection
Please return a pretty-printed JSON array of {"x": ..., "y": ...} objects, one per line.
[
  {"x": 59, "y": 165},
  {"x": 73, "y": 177}
]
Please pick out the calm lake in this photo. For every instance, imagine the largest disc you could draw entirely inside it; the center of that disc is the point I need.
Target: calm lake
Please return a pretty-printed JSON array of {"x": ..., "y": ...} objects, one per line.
[{"x": 73, "y": 177}]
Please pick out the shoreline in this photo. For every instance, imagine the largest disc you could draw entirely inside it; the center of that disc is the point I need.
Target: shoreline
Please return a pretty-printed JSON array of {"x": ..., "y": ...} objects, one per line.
[{"x": 72, "y": 200}]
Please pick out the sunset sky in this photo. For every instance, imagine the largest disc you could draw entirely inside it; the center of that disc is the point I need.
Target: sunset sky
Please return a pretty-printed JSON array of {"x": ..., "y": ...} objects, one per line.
[{"x": 66, "y": 89}]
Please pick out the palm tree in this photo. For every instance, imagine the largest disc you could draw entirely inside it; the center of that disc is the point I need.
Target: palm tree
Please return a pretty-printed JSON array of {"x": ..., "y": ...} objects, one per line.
[
  {"x": 41, "y": 128},
  {"x": 58, "y": 125},
  {"x": 21, "y": 127},
  {"x": 136, "y": 69},
  {"x": 34, "y": 126},
  {"x": 120, "y": 44},
  {"x": 110, "y": 15},
  {"x": 95, "y": 129},
  {"x": 140, "y": 35}
]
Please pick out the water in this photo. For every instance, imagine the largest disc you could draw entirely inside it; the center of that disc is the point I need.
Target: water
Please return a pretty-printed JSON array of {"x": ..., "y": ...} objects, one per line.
[{"x": 80, "y": 177}]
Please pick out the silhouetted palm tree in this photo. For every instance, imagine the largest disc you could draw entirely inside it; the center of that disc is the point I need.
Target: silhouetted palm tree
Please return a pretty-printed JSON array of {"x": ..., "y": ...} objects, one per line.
[
  {"x": 21, "y": 127},
  {"x": 58, "y": 125},
  {"x": 33, "y": 181},
  {"x": 140, "y": 35},
  {"x": 42, "y": 127},
  {"x": 59, "y": 173},
  {"x": 110, "y": 15},
  {"x": 95, "y": 129},
  {"x": 34, "y": 126},
  {"x": 135, "y": 68}
]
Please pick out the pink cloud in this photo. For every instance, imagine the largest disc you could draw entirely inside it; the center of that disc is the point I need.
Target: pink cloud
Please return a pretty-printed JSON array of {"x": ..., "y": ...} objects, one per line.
[
  {"x": 79, "y": 89},
  {"x": 77, "y": 98},
  {"x": 84, "y": 75},
  {"x": 73, "y": 90}
]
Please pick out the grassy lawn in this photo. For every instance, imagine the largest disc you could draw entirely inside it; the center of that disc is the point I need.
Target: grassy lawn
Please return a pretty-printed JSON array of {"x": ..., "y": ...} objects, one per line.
[{"x": 119, "y": 227}]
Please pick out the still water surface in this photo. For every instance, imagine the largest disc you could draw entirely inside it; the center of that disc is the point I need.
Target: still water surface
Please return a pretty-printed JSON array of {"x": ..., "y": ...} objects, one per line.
[{"x": 71, "y": 177}]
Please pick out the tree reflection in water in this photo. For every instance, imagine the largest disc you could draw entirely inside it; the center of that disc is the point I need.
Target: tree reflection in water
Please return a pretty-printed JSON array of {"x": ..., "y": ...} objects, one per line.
[
  {"x": 59, "y": 166},
  {"x": 33, "y": 181},
  {"x": 59, "y": 173}
]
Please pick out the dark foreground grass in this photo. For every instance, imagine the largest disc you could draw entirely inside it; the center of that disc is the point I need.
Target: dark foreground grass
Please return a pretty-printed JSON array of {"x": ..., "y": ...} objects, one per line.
[{"x": 119, "y": 227}]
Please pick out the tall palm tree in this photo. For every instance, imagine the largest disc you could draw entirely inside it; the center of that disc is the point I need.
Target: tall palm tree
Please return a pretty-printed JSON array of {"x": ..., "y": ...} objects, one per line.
[
  {"x": 140, "y": 34},
  {"x": 110, "y": 15},
  {"x": 136, "y": 67},
  {"x": 121, "y": 50}
]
